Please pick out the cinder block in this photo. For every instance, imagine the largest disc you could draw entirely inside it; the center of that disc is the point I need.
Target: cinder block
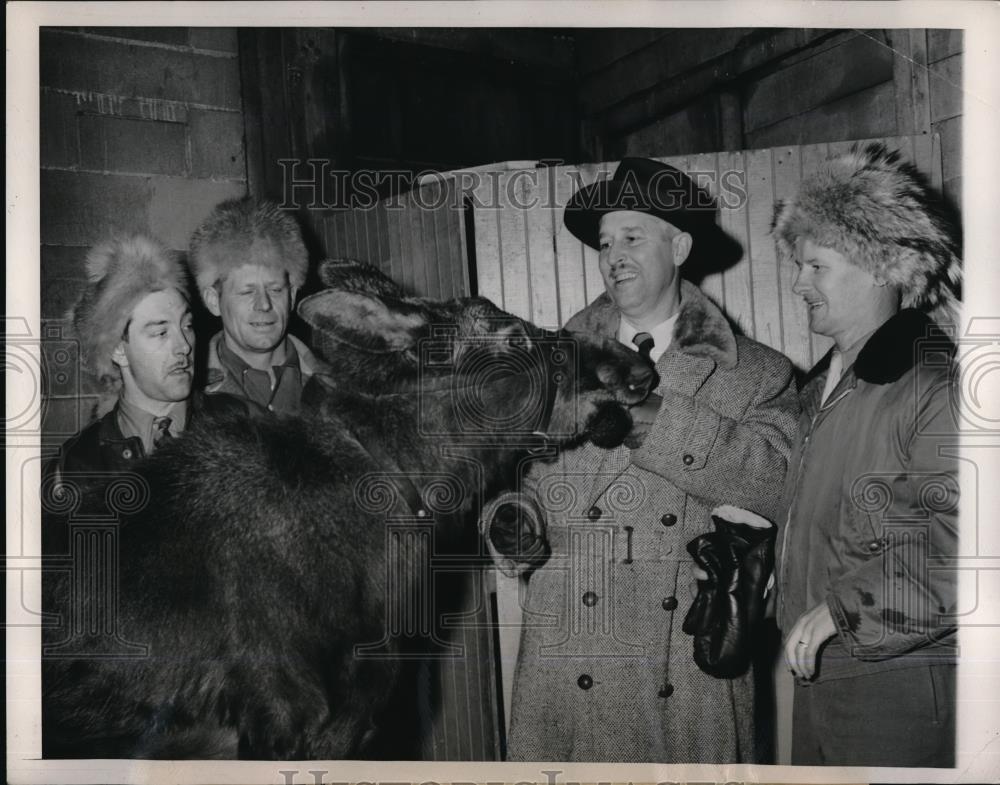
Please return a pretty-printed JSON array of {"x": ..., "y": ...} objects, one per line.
[
  {"x": 217, "y": 144},
  {"x": 119, "y": 144},
  {"x": 59, "y": 295},
  {"x": 160, "y": 35},
  {"x": 178, "y": 205},
  {"x": 73, "y": 62},
  {"x": 158, "y": 109},
  {"x": 60, "y": 143},
  {"x": 62, "y": 261},
  {"x": 80, "y": 208},
  {"x": 218, "y": 39}
]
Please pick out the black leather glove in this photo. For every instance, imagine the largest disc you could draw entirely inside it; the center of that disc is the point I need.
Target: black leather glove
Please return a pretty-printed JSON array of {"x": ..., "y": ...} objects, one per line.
[
  {"x": 643, "y": 417},
  {"x": 729, "y": 607},
  {"x": 514, "y": 527}
]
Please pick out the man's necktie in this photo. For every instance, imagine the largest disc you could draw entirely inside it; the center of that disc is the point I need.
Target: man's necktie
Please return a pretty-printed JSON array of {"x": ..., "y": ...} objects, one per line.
[
  {"x": 834, "y": 374},
  {"x": 645, "y": 343},
  {"x": 161, "y": 430}
]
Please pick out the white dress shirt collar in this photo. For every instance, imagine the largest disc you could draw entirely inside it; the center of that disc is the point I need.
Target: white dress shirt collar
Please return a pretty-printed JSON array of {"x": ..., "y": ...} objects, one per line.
[{"x": 663, "y": 334}]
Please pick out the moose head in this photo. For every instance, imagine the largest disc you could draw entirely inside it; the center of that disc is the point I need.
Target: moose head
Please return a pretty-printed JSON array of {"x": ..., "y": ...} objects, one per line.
[{"x": 478, "y": 372}]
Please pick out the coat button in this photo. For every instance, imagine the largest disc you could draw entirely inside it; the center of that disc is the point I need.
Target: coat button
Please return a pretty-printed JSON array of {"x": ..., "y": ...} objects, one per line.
[
  {"x": 874, "y": 546},
  {"x": 666, "y": 691},
  {"x": 585, "y": 682},
  {"x": 669, "y": 603},
  {"x": 669, "y": 519},
  {"x": 590, "y": 599},
  {"x": 688, "y": 459},
  {"x": 594, "y": 513},
  {"x": 126, "y": 453}
]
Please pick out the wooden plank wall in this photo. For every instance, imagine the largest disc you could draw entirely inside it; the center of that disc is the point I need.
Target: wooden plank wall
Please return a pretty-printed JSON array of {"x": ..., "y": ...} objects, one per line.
[
  {"x": 417, "y": 239},
  {"x": 529, "y": 264}
]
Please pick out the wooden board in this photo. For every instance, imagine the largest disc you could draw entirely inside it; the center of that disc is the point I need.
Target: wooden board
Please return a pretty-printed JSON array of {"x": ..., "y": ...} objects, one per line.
[{"x": 417, "y": 239}]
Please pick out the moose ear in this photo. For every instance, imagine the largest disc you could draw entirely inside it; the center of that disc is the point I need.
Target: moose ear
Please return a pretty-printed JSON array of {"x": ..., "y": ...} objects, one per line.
[
  {"x": 352, "y": 275},
  {"x": 364, "y": 321}
]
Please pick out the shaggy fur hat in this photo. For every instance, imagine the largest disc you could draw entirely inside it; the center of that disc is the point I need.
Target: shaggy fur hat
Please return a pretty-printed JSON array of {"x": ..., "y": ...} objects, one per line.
[
  {"x": 244, "y": 231},
  {"x": 878, "y": 212},
  {"x": 120, "y": 273}
]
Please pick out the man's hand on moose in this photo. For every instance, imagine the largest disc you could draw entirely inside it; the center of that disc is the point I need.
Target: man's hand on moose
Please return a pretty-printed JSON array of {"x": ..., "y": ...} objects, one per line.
[
  {"x": 808, "y": 634},
  {"x": 643, "y": 417}
]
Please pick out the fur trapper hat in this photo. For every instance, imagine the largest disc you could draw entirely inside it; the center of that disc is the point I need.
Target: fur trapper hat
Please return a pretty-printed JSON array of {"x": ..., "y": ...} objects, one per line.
[
  {"x": 878, "y": 212},
  {"x": 245, "y": 231},
  {"x": 120, "y": 272}
]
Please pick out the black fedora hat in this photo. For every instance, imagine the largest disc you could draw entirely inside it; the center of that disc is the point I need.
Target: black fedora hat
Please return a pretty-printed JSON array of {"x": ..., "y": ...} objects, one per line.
[{"x": 646, "y": 186}]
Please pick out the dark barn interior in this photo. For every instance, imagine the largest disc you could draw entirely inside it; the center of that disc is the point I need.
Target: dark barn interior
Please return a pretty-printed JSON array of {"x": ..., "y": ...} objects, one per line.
[{"x": 147, "y": 129}]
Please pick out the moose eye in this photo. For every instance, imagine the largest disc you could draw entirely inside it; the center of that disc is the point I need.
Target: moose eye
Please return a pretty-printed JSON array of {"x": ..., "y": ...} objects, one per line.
[{"x": 519, "y": 341}]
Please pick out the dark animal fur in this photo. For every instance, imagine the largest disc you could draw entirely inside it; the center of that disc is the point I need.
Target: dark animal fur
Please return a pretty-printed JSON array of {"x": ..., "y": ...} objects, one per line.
[{"x": 259, "y": 564}]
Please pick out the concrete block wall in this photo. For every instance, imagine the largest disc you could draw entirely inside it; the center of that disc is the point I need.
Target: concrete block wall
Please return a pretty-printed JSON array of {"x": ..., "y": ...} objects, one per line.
[{"x": 141, "y": 131}]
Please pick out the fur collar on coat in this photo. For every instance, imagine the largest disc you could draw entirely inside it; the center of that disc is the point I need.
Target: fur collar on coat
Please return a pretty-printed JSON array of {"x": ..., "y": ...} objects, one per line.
[{"x": 701, "y": 327}]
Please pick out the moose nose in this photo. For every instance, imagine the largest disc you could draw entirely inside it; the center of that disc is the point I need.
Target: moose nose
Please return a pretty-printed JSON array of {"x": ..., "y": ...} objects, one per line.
[{"x": 642, "y": 380}]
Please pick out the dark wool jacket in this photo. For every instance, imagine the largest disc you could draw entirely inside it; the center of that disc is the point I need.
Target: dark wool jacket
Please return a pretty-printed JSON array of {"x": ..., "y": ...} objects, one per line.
[
  {"x": 100, "y": 450},
  {"x": 873, "y": 504},
  {"x": 604, "y": 671},
  {"x": 101, "y": 446}
]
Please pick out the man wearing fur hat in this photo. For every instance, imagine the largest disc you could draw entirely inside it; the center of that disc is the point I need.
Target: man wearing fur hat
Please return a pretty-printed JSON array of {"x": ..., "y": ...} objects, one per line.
[
  {"x": 605, "y": 672},
  {"x": 866, "y": 599},
  {"x": 249, "y": 261},
  {"x": 133, "y": 323}
]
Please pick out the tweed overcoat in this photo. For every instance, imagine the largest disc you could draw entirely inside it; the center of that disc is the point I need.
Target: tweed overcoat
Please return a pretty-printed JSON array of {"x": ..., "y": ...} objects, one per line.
[{"x": 604, "y": 671}]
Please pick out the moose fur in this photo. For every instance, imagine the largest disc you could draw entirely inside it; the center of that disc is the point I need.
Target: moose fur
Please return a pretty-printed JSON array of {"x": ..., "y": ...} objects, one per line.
[{"x": 259, "y": 564}]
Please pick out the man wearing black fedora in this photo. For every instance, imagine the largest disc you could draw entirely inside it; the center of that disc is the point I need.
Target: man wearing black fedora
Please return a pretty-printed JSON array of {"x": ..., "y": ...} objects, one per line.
[{"x": 605, "y": 671}]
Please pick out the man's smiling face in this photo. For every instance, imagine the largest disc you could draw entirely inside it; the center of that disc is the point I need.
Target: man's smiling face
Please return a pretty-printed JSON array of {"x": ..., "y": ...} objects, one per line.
[
  {"x": 639, "y": 257},
  {"x": 255, "y": 303},
  {"x": 844, "y": 302}
]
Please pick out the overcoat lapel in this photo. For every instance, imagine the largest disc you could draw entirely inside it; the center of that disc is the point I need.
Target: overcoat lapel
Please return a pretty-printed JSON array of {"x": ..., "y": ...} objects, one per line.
[{"x": 702, "y": 340}]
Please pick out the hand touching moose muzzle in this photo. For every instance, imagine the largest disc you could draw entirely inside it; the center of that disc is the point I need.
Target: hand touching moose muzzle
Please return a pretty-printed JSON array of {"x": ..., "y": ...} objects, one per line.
[{"x": 729, "y": 607}]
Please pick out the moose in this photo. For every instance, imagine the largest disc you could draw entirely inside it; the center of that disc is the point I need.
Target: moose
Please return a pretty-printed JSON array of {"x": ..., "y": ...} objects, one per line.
[{"x": 269, "y": 553}]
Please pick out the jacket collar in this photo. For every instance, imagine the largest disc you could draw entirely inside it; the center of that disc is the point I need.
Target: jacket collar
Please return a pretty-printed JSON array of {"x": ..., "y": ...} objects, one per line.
[
  {"x": 892, "y": 350},
  {"x": 897, "y": 345},
  {"x": 216, "y": 372},
  {"x": 701, "y": 328},
  {"x": 109, "y": 430}
]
